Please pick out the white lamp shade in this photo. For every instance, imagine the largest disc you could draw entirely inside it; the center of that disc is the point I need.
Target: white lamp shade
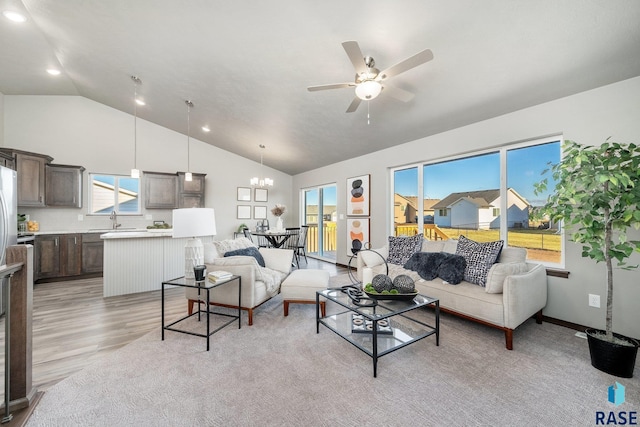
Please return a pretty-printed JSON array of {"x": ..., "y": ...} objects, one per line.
[
  {"x": 368, "y": 89},
  {"x": 194, "y": 222}
]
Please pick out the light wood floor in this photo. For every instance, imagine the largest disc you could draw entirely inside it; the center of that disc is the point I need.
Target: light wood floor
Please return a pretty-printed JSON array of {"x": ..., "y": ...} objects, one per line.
[{"x": 73, "y": 324}]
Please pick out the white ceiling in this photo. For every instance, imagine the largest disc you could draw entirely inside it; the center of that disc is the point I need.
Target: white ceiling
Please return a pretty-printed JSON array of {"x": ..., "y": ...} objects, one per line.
[{"x": 246, "y": 64}]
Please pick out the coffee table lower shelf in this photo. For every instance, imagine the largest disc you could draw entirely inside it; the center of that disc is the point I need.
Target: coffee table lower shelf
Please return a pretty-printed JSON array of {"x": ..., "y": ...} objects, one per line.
[{"x": 398, "y": 330}]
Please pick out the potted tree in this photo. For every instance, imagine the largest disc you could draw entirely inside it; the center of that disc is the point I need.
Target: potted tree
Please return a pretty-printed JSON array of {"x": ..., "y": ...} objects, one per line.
[{"x": 597, "y": 195}]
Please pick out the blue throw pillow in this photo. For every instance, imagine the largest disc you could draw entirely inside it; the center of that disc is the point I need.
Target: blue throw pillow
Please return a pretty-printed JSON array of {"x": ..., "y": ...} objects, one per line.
[{"x": 254, "y": 252}]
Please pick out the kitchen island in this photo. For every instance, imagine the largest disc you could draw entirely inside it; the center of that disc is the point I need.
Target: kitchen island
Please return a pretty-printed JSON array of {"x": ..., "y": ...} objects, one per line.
[{"x": 139, "y": 261}]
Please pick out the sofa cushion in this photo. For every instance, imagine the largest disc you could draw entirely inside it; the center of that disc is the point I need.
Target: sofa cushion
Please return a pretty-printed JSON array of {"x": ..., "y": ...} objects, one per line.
[
  {"x": 479, "y": 257},
  {"x": 452, "y": 268},
  {"x": 252, "y": 251},
  {"x": 401, "y": 248},
  {"x": 372, "y": 258},
  {"x": 499, "y": 271},
  {"x": 426, "y": 263}
]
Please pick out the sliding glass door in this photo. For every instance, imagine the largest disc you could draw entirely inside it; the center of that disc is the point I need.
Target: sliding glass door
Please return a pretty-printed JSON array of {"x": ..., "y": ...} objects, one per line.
[{"x": 319, "y": 213}]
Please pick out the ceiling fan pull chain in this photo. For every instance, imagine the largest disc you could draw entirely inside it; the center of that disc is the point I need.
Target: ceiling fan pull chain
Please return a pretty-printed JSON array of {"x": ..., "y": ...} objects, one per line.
[{"x": 368, "y": 122}]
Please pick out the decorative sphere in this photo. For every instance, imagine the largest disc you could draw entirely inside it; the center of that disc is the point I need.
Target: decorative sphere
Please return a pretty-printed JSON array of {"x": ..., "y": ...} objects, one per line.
[
  {"x": 404, "y": 284},
  {"x": 381, "y": 282}
]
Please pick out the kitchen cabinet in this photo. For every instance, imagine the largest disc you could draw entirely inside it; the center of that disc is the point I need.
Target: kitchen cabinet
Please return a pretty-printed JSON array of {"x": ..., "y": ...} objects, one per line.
[
  {"x": 58, "y": 255},
  {"x": 7, "y": 161},
  {"x": 191, "y": 193},
  {"x": 92, "y": 253},
  {"x": 31, "y": 176},
  {"x": 63, "y": 186},
  {"x": 161, "y": 190},
  {"x": 47, "y": 256}
]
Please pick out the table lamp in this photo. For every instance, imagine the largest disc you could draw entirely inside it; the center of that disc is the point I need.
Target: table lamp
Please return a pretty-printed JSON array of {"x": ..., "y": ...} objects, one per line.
[{"x": 193, "y": 223}]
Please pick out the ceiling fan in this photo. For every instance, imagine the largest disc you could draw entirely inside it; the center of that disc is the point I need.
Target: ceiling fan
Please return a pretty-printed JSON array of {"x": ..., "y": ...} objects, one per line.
[{"x": 370, "y": 81}]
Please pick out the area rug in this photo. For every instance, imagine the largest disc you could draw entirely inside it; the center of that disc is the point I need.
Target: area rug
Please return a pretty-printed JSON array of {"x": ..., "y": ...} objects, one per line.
[{"x": 280, "y": 372}]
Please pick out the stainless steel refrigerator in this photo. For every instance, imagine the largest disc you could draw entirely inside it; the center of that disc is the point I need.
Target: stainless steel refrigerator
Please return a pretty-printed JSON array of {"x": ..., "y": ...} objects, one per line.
[{"x": 8, "y": 218}]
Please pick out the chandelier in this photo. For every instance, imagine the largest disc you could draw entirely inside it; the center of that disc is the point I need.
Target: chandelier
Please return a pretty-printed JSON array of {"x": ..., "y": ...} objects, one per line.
[{"x": 261, "y": 182}]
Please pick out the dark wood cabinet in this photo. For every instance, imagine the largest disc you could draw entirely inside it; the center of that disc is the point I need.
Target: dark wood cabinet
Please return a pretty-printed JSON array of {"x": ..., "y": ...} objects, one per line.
[
  {"x": 7, "y": 160},
  {"x": 47, "y": 256},
  {"x": 31, "y": 176},
  {"x": 63, "y": 185},
  {"x": 160, "y": 190},
  {"x": 67, "y": 255},
  {"x": 92, "y": 253},
  {"x": 71, "y": 251},
  {"x": 191, "y": 193}
]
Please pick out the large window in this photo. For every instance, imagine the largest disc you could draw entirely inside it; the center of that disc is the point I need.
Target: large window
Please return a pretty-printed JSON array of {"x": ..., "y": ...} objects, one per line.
[
  {"x": 109, "y": 193},
  {"x": 319, "y": 213},
  {"x": 468, "y": 196}
]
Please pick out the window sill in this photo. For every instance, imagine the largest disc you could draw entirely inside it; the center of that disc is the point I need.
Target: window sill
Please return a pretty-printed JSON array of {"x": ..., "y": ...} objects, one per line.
[{"x": 554, "y": 272}]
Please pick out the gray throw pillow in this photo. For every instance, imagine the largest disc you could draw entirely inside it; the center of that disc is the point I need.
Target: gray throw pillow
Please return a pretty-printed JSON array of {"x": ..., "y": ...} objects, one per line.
[
  {"x": 401, "y": 248},
  {"x": 452, "y": 268},
  {"x": 254, "y": 252},
  {"x": 426, "y": 263},
  {"x": 479, "y": 257}
]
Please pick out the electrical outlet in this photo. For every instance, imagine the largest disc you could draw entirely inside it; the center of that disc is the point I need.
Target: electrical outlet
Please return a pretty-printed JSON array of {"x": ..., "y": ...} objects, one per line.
[
  {"x": 80, "y": 217},
  {"x": 594, "y": 300}
]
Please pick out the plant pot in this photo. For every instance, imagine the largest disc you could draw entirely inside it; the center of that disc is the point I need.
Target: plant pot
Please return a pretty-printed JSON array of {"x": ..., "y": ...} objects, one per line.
[{"x": 612, "y": 358}]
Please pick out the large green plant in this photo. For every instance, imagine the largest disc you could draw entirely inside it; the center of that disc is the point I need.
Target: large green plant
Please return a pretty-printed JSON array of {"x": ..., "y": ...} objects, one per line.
[{"x": 597, "y": 195}]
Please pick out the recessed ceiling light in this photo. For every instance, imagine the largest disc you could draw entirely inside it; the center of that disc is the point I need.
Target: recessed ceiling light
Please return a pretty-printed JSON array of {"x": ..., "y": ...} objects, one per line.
[
  {"x": 53, "y": 71},
  {"x": 140, "y": 102},
  {"x": 14, "y": 16},
  {"x": 205, "y": 129}
]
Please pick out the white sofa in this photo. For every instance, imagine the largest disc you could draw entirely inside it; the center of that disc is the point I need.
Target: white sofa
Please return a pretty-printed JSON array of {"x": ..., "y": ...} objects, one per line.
[
  {"x": 259, "y": 284},
  {"x": 523, "y": 295}
]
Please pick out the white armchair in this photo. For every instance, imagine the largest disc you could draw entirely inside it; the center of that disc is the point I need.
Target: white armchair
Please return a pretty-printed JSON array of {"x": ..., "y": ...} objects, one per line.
[{"x": 259, "y": 284}]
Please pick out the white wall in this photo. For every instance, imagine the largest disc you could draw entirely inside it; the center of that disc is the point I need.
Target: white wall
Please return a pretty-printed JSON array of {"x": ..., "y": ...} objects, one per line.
[
  {"x": 589, "y": 118},
  {"x": 77, "y": 131}
]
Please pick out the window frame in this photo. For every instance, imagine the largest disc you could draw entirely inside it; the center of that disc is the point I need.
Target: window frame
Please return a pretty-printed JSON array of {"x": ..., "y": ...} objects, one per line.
[
  {"x": 116, "y": 204},
  {"x": 502, "y": 150}
]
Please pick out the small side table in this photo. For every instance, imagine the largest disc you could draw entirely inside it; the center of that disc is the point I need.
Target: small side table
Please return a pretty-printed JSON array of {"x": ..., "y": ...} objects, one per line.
[{"x": 204, "y": 289}]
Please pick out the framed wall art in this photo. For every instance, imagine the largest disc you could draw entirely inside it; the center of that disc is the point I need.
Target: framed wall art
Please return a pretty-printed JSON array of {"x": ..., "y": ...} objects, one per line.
[
  {"x": 259, "y": 212},
  {"x": 357, "y": 234},
  {"x": 261, "y": 195},
  {"x": 358, "y": 192},
  {"x": 244, "y": 194},
  {"x": 244, "y": 212}
]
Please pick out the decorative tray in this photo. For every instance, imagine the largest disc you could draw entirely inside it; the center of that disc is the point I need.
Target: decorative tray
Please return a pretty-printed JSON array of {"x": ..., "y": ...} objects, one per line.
[{"x": 401, "y": 297}]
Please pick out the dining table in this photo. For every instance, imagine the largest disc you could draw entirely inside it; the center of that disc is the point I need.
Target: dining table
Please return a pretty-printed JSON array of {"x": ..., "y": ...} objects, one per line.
[{"x": 275, "y": 238}]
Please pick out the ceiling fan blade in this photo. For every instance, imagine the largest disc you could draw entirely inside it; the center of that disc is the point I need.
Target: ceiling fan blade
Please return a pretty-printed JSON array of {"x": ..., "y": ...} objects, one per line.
[
  {"x": 397, "y": 93},
  {"x": 355, "y": 55},
  {"x": 330, "y": 86},
  {"x": 402, "y": 66},
  {"x": 354, "y": 105}
]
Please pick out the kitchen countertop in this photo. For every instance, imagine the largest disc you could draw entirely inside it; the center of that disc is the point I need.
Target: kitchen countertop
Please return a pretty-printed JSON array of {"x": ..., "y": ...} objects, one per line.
[{"x": 121, "y": 233}]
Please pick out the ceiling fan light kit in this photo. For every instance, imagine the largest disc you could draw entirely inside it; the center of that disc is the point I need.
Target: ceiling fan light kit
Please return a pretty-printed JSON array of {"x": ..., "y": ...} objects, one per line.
[{"x": 369, "y": 80}]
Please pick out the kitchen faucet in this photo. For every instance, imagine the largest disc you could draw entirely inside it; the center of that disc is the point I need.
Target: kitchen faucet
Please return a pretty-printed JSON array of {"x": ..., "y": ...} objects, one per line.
[{"x": 114, "y": 218}]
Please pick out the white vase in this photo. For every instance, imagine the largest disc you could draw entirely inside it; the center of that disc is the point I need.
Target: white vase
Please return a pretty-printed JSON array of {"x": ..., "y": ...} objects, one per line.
[{"x": 279, "y": 224}]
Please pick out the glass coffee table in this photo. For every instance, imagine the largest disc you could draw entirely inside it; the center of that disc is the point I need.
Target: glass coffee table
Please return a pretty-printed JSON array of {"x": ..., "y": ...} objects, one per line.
[
  {"x": 381, "y": 329},
  {"x": 204, "y": 288}
]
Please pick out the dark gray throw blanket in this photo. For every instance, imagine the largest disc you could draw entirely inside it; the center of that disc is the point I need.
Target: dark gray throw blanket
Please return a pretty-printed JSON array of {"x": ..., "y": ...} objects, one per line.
[{"x": 429, "y": 265}]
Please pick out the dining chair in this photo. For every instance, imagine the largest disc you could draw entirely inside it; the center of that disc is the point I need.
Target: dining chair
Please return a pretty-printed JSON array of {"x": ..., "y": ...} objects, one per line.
[
  {"x": 262, "y": 241},
  {"x": 292, "y": 242},
  {"x": 301, "y": 248}
]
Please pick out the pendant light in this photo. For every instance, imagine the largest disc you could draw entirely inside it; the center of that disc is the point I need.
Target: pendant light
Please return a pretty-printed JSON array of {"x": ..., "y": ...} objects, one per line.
[
  {"x": 261, "y": 182},
  {"x": 188, "y": 176},
  {"x": 135, "y": 172}
]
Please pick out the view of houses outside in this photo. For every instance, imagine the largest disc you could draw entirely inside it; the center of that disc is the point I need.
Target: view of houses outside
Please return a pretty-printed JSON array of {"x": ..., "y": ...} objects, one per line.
[
  {"x": 462, "y": 197},
  {"x": 114, "y": 193}
]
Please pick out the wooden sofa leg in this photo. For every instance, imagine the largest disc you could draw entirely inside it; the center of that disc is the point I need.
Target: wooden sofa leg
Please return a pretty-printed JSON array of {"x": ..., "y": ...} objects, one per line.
[
  {"x": 508, "y": 335},
  {"x": 250, "y": 312},
  {"x": 286, "y": 308},
  {"x": 539, "y": 317},
  {"x": 190, "y": 304}
]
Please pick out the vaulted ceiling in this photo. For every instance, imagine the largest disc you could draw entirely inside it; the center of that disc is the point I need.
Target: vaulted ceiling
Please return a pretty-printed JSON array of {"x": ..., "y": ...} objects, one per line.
[{"x": 246, "y": 65}]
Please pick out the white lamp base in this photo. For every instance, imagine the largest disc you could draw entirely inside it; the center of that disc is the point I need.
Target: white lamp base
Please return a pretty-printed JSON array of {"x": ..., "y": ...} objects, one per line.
[{"x": 193, "y": 255}]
